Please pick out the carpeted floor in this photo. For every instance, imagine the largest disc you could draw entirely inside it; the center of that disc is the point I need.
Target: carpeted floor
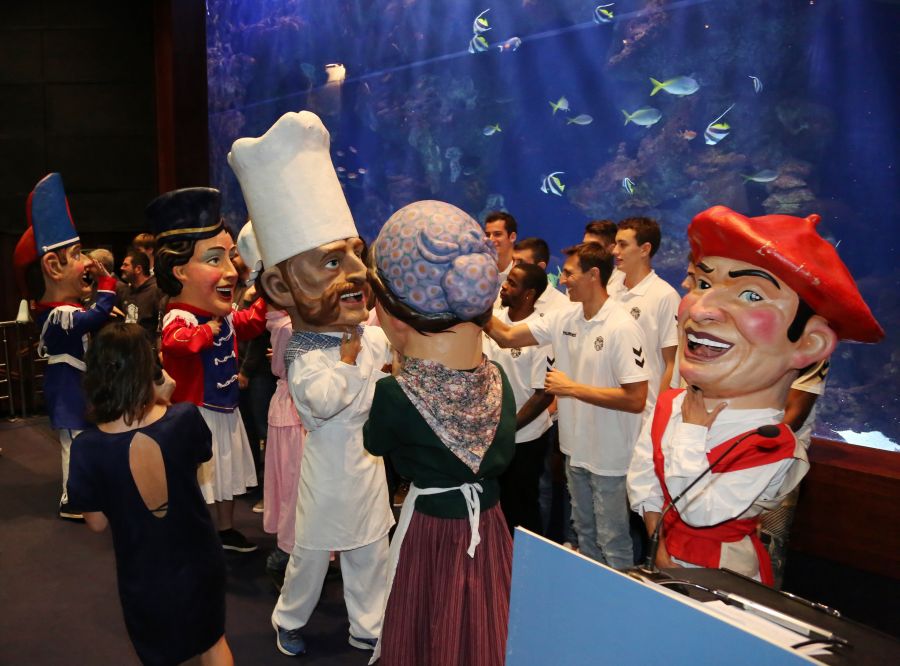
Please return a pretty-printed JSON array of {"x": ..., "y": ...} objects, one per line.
[{"x": 58, "y": 599}]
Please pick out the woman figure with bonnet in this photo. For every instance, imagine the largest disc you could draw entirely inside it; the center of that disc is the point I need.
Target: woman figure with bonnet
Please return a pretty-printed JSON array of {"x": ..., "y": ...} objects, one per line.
[
  {"x": 136, "y": 471},
  {"x": 446, "y": 420}
]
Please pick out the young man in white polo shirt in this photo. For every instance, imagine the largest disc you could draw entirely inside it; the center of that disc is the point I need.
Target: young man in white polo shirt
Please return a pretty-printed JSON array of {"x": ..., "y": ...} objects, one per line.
[
  {"x": 648, "y": 298},
  {"x": 526, "y": 370},
  {"x": 500, "y": 227},
  {"x": 600, "y": 381}
]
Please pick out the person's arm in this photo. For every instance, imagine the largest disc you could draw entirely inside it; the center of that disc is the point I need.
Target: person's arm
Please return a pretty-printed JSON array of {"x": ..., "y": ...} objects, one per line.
[
  {"x": 90, "y": 320},
  {"x": 510, "y": 336},
  {"x": 668, "y": 354},
  {"x": 663, "y": 559},
  {"x": 181, "y": 339},
  {"x": 535, "y": 405},
  {"x": 379, "y": 437},
  {"x": 250, "y": 322},
  {"x": 625, "y": 398},
  {"x": 96, "y": 520},
  {"x": 321, "y": 388},
  {"x": 798, "y": 407}
]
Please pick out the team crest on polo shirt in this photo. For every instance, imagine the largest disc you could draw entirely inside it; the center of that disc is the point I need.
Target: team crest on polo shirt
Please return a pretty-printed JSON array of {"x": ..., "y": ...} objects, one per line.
[
  {"x": 636, "y": 312},
  {"x": 598, "y": 343},
  {"x": 515, "y": 352}
]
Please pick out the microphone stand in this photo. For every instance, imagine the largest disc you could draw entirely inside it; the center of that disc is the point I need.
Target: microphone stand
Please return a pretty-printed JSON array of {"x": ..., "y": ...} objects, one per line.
[{"x": 768, "y": 431}]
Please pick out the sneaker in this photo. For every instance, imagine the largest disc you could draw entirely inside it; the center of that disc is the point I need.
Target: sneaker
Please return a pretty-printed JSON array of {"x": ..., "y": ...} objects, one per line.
[
  {"x": 66, "y": 512},
  {"x": 277, "y": 560},
  {"x": 289, "y": 641},
  {"x": 233, "y": 540},
  {"x": 259, "y": 507},
  {"x": 362, "y": 643}
]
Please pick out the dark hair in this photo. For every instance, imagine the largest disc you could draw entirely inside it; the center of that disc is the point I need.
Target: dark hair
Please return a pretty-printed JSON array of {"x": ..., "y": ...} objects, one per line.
[
  {"x": 139, "y": 259},
  {"x": 537, "y": 246},
  {"x": 120, "y": 371},
  {"x": 509, "y": 222},
  {"x": 168, "y": 256},
  {"x": 533, "y": 278},
  {"x": 605, "y": 229},
  {"x": 592, "y": 255},
  {"x": 646, "y": 230},
  {"x": 144, "y": 241}
]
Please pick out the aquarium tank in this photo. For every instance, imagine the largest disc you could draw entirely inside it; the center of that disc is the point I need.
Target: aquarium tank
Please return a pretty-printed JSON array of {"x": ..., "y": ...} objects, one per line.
[{"x": 564, "y": 111}]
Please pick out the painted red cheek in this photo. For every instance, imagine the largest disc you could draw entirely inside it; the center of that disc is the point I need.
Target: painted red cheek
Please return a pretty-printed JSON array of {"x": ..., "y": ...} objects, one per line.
[{"x": 761, "y": 326}]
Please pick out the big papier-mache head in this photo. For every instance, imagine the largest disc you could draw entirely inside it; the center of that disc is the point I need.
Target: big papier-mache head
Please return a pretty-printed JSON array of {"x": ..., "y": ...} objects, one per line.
[
  {"x": 433, "y": 267},
  {"x": 772, "y": 297},
  {"x": 303, "y": 226}
]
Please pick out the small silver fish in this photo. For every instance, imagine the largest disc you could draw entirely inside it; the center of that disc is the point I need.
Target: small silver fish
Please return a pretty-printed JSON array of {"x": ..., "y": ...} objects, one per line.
[
  {"x": 764, "y": 176},
  {"x": 581, "y": 119},
  {"x": 511, "y": 44},
  {"x": 478, "y": 44},
  {"x": 628, "y": 186},
  {"x": 602, "y": 14},
  {"x": 490, "y": 130},
  {"x": 340, "y": 169},
  {"x": 352, "y": 175},
  {"x": 645, "y": 117},
  {"x": 757, "y": 85},
  {"x": 339, "y": 153},
  {"x": 362, "y": 171},
  {"x": 561, "y": 105},
  {"x": 680, "y": 86},
  {"x": 716, "y": 131},
  {"x": 480, "y": 24},
  {"x": 553, "y": 185},
  {"x": 353, "y": 150}
]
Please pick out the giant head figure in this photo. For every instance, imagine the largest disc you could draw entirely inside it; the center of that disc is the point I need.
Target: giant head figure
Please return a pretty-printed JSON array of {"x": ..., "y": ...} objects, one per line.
[
  {"x": 47, "y": 261},
  {"x": 772, "y": 297},
  {"x": 306, "y": 236},
  {"x": 194, "y": 251}
]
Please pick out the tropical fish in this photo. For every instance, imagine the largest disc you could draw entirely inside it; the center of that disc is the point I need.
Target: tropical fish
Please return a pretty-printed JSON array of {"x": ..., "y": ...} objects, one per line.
[
  {"x": 340, "y": 169},
  {"x": 362, "y": 171},
  {"x": 511, "y": 44},
  {"x": 353, "y": 150},
  {"x": 628, "y": 186},
  {"x": 688, "y": 135},
  {"x": 352, "y": 175},
  {"x": 602, "y": 14},
  {"x": 716, "y": 131},
  {"x": 480, "y": 24},
  {"x": 490, "y": 130},
  {"x": 757, "y": 84},
  {"x": 680, "y": 85},
  {"x": 478, "y": 44},
  {"x": 339, "y": 153},
  {"x": 582, "y": 119},
  {"x": 764, "y": 176},
  {"x": 645, "y": 117},
  {"x": 553, "y": 185},
  {"x": 561, "y": 105}
]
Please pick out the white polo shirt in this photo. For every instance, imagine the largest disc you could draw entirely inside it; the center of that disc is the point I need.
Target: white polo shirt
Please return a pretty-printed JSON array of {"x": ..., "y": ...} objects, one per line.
[
  {"x": 654, "y": 305},
  {"x": 605, "y": 351},
  {"x": 526, "y": 369},
  {"x": 552, "y": 298}
]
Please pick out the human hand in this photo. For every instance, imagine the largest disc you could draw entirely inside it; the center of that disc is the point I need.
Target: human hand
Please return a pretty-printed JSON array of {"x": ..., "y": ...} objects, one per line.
[
  {"x": 163, "y": 389},
  {"x": 243, "y": 381},
  {"x": 96, "y": 269},
  {"x": 351, "y": 344},
  {"x": 693, "y": 409},
  {"x": 556, "y": 382},
  {"x": 215, "y": 325}
]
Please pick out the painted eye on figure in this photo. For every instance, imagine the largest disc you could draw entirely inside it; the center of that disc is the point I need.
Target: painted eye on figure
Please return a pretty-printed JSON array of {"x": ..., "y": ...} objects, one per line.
[
  {"x": 332, "y": 264},
  {"x": 750, "y": 296},
  {"x": 213, "y": 261},
  {"x": 703, "y": 284}
]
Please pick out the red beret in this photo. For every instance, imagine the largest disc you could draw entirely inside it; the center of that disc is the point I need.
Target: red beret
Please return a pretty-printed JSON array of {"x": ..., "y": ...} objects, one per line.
[{"x": 791, "y": 249}]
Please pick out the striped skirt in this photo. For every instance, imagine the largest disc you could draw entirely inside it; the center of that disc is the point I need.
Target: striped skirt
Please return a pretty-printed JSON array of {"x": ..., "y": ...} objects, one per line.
[{"x": 446, "y": 608}]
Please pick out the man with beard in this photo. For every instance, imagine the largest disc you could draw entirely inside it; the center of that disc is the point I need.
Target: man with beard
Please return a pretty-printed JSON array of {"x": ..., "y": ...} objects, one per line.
[{"x": 311, "y": 252}]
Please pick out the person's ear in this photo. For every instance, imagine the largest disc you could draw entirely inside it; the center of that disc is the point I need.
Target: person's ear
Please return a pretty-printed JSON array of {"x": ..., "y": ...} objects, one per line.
[
  {"x": 277, "y": 287},
  {"x": 512, "y": 237},
  {"x": 816, "y": 344},
  {"x": 542, "y": 265},
  {"x": 51, "y": 266},
  {"x": 645, "y": 249}
]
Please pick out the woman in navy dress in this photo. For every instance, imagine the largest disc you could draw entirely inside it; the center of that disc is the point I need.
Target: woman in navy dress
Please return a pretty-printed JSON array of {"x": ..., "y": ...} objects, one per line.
[{"x": 136, "y": 471}]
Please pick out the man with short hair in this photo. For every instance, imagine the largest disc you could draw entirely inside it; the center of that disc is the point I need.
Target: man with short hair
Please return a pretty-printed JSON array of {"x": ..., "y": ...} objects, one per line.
[
  {"x": 500, "y": 227},
  {"x": 601, "y": 231},
  {"x": 526, "y": 370},
  {"x": 140, "y": 302},
  {"x": 535, "y": 251},
  {"x": 146, "y": 243},
  {"x": 648, "y": 298},
  {"x": 600, "y": 381}
]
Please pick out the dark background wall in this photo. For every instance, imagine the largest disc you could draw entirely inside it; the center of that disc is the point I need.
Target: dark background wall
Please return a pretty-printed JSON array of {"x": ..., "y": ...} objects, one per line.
[{"x": 99, "y": 91}]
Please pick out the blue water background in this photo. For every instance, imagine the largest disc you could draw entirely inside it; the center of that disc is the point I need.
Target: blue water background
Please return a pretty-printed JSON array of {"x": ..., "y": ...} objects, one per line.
[{"x": 414, "y": 104}]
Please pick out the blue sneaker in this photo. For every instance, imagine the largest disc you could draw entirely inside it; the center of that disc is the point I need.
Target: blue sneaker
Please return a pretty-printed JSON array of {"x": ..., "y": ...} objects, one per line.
[
  {"x": 363, "y": 643},
  {"x": 289, "y": 641}
]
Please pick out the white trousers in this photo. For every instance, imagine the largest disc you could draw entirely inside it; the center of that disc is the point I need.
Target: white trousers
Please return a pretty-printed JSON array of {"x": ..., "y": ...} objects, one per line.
[
  {"x": 364, "y": 571},
  {"x": 65, "y": 441}
]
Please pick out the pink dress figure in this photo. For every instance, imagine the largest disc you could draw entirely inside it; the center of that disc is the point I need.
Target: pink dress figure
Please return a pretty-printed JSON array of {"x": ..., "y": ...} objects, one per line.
[{"x": 284, "y": 448}]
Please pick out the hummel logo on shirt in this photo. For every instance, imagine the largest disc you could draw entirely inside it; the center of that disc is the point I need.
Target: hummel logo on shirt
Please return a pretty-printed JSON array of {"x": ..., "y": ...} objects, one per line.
[
  {"x": 570, "y": 334},
  {"x": 638, "y": 356}
]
